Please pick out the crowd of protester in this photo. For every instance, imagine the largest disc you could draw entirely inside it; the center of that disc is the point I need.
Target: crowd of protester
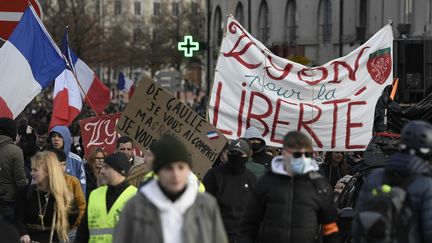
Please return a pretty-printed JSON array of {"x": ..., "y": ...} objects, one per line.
[{"x": 252, "y": 193}]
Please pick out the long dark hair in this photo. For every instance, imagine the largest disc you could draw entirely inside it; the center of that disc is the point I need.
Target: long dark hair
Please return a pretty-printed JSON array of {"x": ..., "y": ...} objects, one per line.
[{"x": 92, "y": 159}]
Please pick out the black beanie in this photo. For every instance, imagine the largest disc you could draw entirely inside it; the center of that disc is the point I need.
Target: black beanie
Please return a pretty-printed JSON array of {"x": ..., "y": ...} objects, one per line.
[
  {"x": 169, "y": 149},
  {"x": 8, "y": 127},
  {"x": 119, "y": 162}
]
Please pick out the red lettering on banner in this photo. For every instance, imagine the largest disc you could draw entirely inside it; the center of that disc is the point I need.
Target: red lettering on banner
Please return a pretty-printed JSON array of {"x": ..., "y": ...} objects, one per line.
[
  {"x": 240, "y": 114},
  {"x": 351, "y": 72},
  {"x": 303, "y": 73},
  {"x": 285, "y": 70},
  {"x": 350, "y": 125},
  {"x": 335, "y": 115},
  {"x": 259, "y": 117},
  {"x": 216, "y": 110},
  {"x": 305, "y": 124},
  {"x": 276, "y": 120},
  {"x": 232, "y": 27},
  {"x": 237, "y": 55}
]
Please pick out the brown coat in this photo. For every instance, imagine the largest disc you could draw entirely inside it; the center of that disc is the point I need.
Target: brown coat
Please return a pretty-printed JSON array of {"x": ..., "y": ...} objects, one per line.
[{"x": 74, "y": 187}]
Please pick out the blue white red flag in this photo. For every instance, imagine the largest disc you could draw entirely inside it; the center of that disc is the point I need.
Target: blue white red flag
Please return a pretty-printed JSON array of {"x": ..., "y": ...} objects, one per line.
[
  {"x": 29, "y": 62},
  {"x": 67, "y": 98},
  {"x": 125, "y": 84}
]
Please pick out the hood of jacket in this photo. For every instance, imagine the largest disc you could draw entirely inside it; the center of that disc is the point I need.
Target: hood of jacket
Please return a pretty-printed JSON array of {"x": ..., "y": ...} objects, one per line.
[
  {"x": 5, "y": 140},
  {"x": 66, "y": 135},
  {"x": 278, "y": 166},
  {"x": 253, "y": 132},
  {"x": 406, "y": 164}
]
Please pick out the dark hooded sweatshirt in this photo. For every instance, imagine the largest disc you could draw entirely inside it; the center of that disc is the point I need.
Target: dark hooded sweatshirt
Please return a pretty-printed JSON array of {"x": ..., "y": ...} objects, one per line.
[{"x": 74, "y": 164}]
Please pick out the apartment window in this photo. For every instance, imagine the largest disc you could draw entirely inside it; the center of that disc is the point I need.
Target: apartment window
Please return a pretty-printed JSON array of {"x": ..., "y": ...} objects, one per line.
[
  {"x": 217, "y": 26},
  {"x": 117, "y": 8},
  {"x": 175, "y": 8},
  {"x": 263, "y": 23},
  {"x": 98, "y": 7},
  {"x": 291, "y": 21},
  {"x": 326, "y": 20},
  {"x": 137, "y": 34},
  {"x": 195, "y": 7},
  {"x": 363, "y": 13},
  {"x": 407, "y": 11},
  {"x": 239, "y": 13},
  {"x": 156, "y": 8},
  {"x": 137, "y": 8}
]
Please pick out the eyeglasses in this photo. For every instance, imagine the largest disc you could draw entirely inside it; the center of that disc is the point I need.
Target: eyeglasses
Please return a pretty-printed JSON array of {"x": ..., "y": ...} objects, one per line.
[
  {"x": 100, "y": 158},
  {"x": 299, "y": 154}
]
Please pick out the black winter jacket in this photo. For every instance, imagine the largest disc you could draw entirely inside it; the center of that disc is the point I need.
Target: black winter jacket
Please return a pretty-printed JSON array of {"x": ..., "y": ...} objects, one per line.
[
  {"x": 288, "y": 209},
  {"x": 232, "y": 192},
  {"x": 419, "y": 191}
]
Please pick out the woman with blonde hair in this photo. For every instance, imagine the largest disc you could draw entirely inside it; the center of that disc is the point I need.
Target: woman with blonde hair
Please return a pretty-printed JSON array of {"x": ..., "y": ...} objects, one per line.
[
  {"x": 42, "y": 212},
  {"x": 92, "y": 170}
]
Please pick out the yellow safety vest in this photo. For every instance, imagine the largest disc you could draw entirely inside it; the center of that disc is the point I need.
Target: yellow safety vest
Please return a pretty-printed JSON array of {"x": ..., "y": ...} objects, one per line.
[{"x": 100, "y": 222}]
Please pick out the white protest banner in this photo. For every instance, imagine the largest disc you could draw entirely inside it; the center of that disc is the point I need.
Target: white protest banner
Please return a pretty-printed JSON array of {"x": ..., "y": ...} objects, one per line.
[{"x": 334, "y": 103}]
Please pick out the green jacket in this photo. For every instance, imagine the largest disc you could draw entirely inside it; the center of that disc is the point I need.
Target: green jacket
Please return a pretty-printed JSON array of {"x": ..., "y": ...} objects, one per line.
[
  {"x": 12, "y": 173},
  {"x": 256, "y": 168}
]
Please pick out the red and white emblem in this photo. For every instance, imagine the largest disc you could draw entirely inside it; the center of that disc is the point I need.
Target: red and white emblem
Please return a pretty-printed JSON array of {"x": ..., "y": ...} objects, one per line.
[{"x": 379, "y": 65}]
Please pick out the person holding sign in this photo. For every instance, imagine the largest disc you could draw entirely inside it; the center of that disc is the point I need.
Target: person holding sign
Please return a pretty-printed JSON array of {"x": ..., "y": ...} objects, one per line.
[
  {"x": 125, "y": 145},
  {"x": 173, "y": 210}
]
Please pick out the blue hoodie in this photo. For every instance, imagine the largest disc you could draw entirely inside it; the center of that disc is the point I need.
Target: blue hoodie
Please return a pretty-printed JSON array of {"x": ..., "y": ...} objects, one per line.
[{"x": 74, "y": 164}]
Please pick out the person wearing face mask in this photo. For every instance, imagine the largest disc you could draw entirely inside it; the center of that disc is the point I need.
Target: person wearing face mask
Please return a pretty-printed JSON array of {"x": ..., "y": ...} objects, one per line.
[
  {"x": 258, "y": 146},
  {"x": 290, "y": 203},
  {"x": 231, "y": 184}
]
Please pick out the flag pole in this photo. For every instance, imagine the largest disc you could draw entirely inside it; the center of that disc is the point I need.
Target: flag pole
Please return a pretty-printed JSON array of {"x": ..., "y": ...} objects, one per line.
[
  {"x": 82, "y": 90},
  {"x": 71, "y": 68}
]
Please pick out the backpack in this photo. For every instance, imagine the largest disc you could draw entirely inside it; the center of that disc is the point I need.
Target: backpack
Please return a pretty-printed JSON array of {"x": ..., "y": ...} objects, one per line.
[
  {"x": 348, "y": 196},
  {"x": 386, "y": 216}
]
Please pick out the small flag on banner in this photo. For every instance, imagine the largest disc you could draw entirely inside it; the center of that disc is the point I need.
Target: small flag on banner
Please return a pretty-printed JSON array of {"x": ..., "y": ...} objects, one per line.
[{"x": 212, "y": 135}]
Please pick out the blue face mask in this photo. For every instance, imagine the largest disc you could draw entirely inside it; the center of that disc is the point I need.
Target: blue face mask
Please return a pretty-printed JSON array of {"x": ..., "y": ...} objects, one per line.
[{"x": 298, "y": 165}]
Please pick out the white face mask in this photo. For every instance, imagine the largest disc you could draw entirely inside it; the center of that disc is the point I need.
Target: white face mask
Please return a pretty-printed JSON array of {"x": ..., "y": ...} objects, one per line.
[{"x": 298, "y": 165}]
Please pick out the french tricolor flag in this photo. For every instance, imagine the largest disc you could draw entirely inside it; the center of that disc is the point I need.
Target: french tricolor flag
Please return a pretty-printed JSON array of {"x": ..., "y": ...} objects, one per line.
[
  {"x": 125, "y": 84},
  {"x": 70, "y": 90},
  {"x": 67, "y": 98},
  {"x": 29, "y": 62},
  {"x": 98, "y": 94},
  {"x": 212, "y": 135}
]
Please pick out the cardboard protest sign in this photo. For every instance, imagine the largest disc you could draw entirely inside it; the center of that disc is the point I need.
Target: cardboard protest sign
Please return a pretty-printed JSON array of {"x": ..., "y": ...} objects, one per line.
[
  {"x": 100, "y": 132},
  {"x": 152, "y": 112},
  {"x": 334, "y": 103}
]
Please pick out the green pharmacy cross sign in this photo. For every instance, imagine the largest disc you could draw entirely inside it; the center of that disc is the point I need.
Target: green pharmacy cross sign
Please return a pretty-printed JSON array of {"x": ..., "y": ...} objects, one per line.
[{"x": 188, "y": 46}]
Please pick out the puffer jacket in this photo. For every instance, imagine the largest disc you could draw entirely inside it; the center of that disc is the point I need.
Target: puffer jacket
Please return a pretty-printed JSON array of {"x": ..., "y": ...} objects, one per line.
[
  {"x": 419, "y": 190},
  {"x": 12, "y": 175},
  {"x": 284, "y": 208}
]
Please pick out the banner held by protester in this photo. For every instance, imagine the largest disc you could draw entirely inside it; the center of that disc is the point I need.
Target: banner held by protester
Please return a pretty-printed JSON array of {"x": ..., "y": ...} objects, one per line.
[
  {"x": 100, "y": 132},
  {"x": 334, "y": 103},
  {"x": 153, "y": 111}
]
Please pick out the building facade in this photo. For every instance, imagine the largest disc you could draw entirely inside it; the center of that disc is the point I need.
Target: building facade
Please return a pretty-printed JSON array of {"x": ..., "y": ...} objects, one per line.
[{"x": 312, "y": 28}]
